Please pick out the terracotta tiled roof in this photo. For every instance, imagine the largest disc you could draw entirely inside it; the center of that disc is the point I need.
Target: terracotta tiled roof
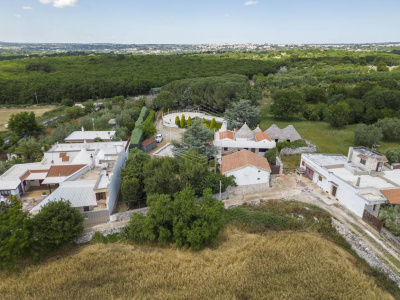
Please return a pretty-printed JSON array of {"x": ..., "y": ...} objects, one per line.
[
  {"x": 226, "y": 135},
  {"x": 65, "y": 158},
  {"x": 63, "y": 154},
  {"x": 362, "y": 156},
  {"x": 29, "y": 172},
  {"x": 393, "y": 195},
  {"x": 147, "y": 142},
  {"x": 242, "y": 159},
  {"x": 63, "y": 171},
  {"x": 382, "y": 159},
  {"x": 262, "y": 136}
]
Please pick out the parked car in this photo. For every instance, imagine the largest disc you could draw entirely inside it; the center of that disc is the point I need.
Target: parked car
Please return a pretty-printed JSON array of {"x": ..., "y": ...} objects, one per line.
[{"x": 159, "y": 138}]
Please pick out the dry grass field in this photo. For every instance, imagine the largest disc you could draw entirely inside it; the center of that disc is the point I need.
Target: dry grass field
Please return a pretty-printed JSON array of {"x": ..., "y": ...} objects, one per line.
[
  {"x": 5, "y": 113},
  {"x": 284, "y": 265}
]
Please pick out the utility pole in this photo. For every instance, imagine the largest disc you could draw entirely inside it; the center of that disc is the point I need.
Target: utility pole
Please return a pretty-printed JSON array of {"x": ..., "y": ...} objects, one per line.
[
  {"x": 37, "y": 101},
  {"x": 220, "y": 190}
]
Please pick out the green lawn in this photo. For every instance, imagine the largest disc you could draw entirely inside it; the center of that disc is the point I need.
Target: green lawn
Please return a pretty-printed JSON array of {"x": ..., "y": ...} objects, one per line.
[{"x": 327, "y": 139}]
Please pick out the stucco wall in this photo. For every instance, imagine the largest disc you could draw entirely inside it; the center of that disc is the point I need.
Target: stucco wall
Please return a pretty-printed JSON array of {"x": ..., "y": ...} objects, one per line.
[
  {"x": 249, "y": 175},
  {"x": 345, "y": 193},
  {"x": 115, "y": 184}
]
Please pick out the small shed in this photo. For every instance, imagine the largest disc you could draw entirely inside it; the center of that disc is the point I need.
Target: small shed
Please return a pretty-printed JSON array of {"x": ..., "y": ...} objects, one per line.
[
  {"x": 148, "y": 145},
  {"x": 112, "y": 122}
]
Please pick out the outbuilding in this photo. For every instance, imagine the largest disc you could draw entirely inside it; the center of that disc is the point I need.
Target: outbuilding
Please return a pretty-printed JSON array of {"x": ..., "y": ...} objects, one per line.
[
  {"x": 148, "y": 145},
  {"x": 247, "y": 167}
]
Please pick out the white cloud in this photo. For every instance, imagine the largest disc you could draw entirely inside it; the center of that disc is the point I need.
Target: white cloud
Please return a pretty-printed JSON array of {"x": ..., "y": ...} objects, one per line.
[
  {"x": 247, "y": 3},
  {"x": 60, "y": 3},
  {"x": 26, "y": 7},
  {"x": 17, "y": 16}
]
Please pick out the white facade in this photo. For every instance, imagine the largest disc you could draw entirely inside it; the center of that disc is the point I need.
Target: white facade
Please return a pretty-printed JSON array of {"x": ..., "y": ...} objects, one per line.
[
  {"x": 249, "y": 175},
  {"x": 344, "y": 181}
]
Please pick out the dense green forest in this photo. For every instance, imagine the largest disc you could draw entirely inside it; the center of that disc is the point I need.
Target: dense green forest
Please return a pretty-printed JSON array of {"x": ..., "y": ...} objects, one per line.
[
  {"x": 101, "y": 76},
  {"x": 89, "y": 77}
]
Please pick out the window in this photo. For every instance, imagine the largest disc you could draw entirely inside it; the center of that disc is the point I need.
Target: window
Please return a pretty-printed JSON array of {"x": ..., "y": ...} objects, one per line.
[
  {"x": 258, "y": 178},
  {"x": 363, "y": 161},
  {"x": 259, "y": 171},
  {"x": 225, "y": 149},
  {"x": 320, "y": 178},
  {"x": 86, "y": 208},
  {"x": 374, "y": 207},
  {"x": 5, "y": 193}
]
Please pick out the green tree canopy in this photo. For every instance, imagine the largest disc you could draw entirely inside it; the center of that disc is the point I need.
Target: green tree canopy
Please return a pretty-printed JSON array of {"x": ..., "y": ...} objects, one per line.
[
  {"x": 196, "y": 138},
  {"x": 240, "y": 112},
  {"x": 164, "y": 100},
  {"x": 24, "y": 124},
  {"x": 390, "y": 128},
  {"x": 180, "y": 219},
  {"x": 57, "y": 224},
  {"x": 16, "y": 238},
  {"x": 287, "y": 103},
  {"x": 29, "y": 149},
  {"x": 339, "y": 114},
  {"x": 393, "y": 155},
  {"x": 367, "y": 135}
]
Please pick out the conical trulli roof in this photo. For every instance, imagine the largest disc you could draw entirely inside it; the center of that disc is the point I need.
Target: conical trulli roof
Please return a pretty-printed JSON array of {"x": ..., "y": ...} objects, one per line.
[
  {"x": 245, "y": 132},
  {"x": 274, "y": 132},
  {"x": 288, "y": 133},
  {"x": 291, "y": 134},
  {"x": 257, "y": 129}
]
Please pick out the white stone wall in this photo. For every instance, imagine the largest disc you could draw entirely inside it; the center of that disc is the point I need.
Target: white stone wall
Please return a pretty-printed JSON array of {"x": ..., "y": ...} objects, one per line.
[
  {"x": 345, "y": 193},
  {"x": 249, "y": 175},
  {"x": 115, "y": 184}
]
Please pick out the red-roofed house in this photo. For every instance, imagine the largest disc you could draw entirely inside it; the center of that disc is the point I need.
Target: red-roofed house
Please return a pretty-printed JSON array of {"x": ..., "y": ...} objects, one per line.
[{"x": 247, "y": 167}]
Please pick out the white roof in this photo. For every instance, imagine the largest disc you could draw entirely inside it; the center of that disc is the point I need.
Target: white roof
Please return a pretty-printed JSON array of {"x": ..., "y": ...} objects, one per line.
[
  {"x": 79, "y": 193},
  {"x": 90, "y": 135},
  {"x": 82, "y": 158}
]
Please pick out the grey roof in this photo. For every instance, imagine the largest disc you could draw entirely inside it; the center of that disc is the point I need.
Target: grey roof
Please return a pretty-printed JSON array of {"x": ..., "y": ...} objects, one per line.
[
  {"x": 244, "y": 132},
  {"x": 288, "y": 133},
  {"x": 79, "y": 193},
  {"x": 257, "y": 129}
]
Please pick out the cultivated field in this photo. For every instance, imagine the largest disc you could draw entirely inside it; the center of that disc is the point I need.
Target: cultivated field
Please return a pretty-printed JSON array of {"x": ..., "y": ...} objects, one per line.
[
  {"x": 5, "y": 113},
  {"x": 285, "y": 265}
]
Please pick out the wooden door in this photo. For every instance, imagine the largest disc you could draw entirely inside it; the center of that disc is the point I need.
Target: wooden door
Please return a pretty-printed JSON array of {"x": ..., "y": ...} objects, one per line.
[
  {"x": 379, "y": 166},
  {"x": 334, "y": 189},
  {"x": 309, "y": 173}
]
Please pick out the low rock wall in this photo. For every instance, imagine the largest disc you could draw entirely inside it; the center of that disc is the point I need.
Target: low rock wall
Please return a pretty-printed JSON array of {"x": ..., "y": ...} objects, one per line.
[
  {"x": 364, "y": 252},
  {"x": 291, "y": 151}
]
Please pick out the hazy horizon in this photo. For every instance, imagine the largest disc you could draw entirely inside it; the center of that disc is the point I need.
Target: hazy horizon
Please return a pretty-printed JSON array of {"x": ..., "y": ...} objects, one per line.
[{"x": 199, "y": 22}]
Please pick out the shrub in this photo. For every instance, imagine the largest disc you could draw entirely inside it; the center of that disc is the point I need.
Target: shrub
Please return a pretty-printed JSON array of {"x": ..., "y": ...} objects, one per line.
[
  {"x": 182, "y": 124},
  {"x": 177, "y": 121},
  {"x": 57, "y": 224},
  {"x": 367, "y": 135},
  {"x": 180, "y": 219},
  {"x": 213, "y": 124},
  {"x": 189, "y": 121},
  {"x": 393, "y": 155},
  {"x": 271, "y": 155}
]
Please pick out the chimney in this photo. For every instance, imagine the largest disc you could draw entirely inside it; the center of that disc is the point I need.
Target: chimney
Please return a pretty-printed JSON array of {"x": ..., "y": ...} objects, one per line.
[
  {"x": 83, "y": 129},
  {"x": 358, "y": 181}
]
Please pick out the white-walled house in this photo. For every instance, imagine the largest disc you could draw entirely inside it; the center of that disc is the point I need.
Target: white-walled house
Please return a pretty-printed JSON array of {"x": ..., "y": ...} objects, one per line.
[
  {"x": 247, "y": 167},
  {"x": 359, "y": 181},
  {"x": 229, "y": 141}
]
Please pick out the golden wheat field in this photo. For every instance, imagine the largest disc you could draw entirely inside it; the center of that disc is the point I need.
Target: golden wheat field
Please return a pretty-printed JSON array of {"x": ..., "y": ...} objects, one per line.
[
  {"x": 282, "y": 265},
  {"x": 5, "y": 113}
]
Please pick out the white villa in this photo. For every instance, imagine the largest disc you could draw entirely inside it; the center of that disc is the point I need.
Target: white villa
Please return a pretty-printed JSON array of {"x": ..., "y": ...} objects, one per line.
[
  {"x": 86, "y": 174},
  {"x": 361, "y": 181},
  {"x": 253, "y": 140}
]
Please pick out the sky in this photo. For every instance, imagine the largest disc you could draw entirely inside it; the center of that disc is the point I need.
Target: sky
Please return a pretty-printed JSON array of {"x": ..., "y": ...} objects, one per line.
[{"x": 201, "y": 21}]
